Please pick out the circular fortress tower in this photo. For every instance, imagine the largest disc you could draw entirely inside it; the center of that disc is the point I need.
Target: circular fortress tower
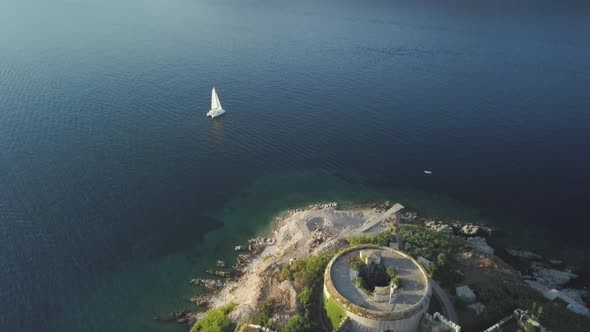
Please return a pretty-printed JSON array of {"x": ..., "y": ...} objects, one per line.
[{"x": 400, "y": 310}]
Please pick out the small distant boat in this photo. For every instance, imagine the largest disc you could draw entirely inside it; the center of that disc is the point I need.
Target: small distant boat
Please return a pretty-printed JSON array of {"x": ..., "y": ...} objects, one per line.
[
  {"x": 428, "y": 172},
  {"x": 216, "y": 109}
]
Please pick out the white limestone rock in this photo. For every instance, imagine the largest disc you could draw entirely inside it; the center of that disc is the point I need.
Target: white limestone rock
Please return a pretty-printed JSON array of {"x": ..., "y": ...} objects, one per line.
[
  {"x": 473, "y": 230},
  {"x": 437, "y": 226}
]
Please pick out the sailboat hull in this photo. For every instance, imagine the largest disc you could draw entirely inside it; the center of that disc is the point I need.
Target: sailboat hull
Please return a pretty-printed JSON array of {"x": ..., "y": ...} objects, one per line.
[{"x": 215, "y": 113}]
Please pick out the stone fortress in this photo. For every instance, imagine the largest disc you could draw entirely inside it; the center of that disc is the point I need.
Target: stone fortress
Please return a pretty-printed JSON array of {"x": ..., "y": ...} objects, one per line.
[{"x": 388, "y": 308}]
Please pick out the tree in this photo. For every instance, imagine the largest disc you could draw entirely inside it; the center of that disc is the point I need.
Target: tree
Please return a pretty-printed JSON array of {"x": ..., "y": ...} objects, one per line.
[{"x": 391, "y": 272}]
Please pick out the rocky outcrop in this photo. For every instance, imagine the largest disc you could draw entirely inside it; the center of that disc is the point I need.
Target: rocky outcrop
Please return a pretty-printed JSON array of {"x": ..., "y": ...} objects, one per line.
[
  {"x": 438, "y": 226},
  {"x": 202, "y": 300},
  {"x": 473, "y": 230},
  {"x": 552, "y": 278},
  {"x": 408, "y": 216},
  {"x": 219, "y": 273},
  {"x": 480, "y": 244},
  {"x": 381, "y": 207},
  {"x": 209, "y": 284},
  {"x": 257, "y": 245},
  {"x": 317, "y": 237},
  {"x": 220, "y": 263},
  {"x": 577, "y": 295}
]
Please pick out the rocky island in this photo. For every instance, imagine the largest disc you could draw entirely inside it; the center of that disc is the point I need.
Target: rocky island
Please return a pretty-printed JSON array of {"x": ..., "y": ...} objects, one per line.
[{"x": 440, "y": 276}]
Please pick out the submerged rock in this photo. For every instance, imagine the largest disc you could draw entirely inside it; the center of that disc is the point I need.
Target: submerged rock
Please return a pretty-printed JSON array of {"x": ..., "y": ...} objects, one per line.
[
  {"x": 220, "y": 263},
  {"x": 200, "y": 300},
  {"x": 209, "y": 284},
  {"x": 523, "y": 254},
  {"x": 219, "y": 273},
  {"x": 172, "y": 316}
]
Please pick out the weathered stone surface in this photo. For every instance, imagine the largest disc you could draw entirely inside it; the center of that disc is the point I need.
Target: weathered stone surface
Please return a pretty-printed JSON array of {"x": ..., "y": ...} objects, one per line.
[
  {"x": 473, "y": 230},
  {"x": 577, "y": 295},
  {"x": 481, "y": 244},
  {"x": 552, "y": 278},
  {"x": 466, "y": 294},
  {"x": 424, "y": 262},
  {"x": 437, "y": 226},
  {"x": 257, "y": 245}
]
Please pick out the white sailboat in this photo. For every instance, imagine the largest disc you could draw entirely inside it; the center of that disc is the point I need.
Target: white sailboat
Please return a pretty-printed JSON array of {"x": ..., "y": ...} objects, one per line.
[{"x": 216, "y": 109}]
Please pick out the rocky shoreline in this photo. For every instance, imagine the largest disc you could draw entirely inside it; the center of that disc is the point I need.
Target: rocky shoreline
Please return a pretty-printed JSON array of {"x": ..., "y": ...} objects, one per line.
[
  {"x": 541, "y": 273},
  {"x": 303, "y": 231}
]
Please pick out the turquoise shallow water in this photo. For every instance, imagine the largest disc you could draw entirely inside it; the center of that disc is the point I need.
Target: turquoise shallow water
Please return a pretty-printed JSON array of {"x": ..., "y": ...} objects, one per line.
[{"x": 115, "y": 189}]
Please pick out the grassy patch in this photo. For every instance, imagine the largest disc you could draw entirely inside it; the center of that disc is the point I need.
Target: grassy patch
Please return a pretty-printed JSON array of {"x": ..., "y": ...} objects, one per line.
[
  {"x": 378, "y": 238},
  {"x": 333, "y": 311}
]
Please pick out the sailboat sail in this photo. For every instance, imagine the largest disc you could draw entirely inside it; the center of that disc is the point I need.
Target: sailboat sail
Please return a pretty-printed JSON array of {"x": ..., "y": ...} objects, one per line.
[{"x": 215, "y": 104}]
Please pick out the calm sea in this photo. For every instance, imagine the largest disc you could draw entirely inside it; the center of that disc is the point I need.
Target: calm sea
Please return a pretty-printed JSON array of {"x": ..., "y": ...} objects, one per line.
[{"x": 115, "y": 189}]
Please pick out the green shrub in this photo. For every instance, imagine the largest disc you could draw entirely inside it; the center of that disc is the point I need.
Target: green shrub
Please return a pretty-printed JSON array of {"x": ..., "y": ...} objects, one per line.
[
  {"x": 264, "y": 313},
  {"x": 437, "y": 247},
  {"x": 304, "y": 297},
  {"x": 356, "y": 263},
  {"x": 295, "y": 324},
  {"x": 307, "y": 271},
  {"x": 394, "y": 281},
  {"x": 391, "y": 272},
  {"x": 215, "y": 320}
]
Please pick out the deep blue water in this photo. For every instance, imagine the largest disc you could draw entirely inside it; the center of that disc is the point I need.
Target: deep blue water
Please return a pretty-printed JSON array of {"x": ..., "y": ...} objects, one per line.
[{"x": 115, "y": 189}]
